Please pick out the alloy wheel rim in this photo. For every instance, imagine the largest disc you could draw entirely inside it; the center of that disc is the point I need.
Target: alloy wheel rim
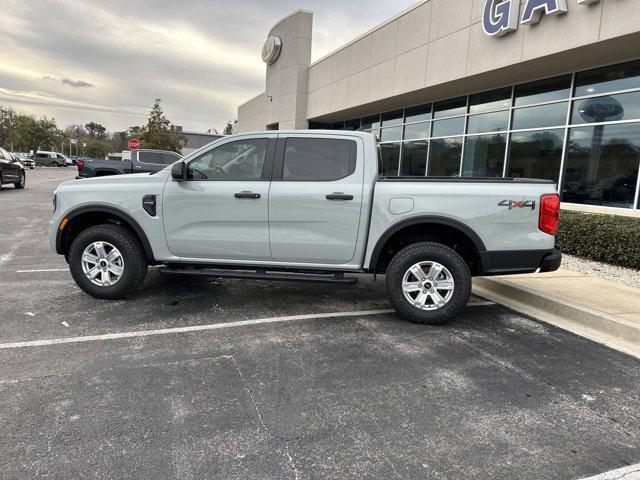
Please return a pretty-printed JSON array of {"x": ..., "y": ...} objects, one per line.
[
  {"x": 428, "y": 285},
  {"x": 102, "y": 263}
]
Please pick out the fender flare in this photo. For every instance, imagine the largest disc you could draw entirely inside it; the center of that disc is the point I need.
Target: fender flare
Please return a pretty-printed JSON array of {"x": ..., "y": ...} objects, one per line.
[
  {"x": 449, "y": 222},
  {"x": 116, "y": 212}
]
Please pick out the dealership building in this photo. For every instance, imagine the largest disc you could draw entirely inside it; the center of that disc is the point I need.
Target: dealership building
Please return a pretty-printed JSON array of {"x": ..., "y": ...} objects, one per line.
[{"x": 488, "y": 88}]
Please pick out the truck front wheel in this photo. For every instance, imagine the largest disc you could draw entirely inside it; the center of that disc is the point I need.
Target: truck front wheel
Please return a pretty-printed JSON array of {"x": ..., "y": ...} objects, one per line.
[
  {"x": 107, "y": 261},
  {"x": 428, "y": 283}
]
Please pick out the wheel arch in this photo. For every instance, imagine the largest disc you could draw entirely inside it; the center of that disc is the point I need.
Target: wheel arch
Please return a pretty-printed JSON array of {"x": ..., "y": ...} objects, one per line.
[
  {"x": 89, "y": 215},
  {"x": 443, "y": 228}
]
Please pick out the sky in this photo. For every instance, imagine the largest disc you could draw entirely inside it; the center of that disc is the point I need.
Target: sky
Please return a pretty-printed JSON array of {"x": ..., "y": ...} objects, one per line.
[{"x": 80, "y": 61}]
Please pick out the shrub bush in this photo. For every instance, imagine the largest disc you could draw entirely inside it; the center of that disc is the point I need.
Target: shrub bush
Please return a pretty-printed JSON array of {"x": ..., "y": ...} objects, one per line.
[{"x": 604, "y": 238}]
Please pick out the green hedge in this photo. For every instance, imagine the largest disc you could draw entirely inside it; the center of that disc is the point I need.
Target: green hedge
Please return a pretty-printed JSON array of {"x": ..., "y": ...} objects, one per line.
[{"x": 605, "y": 238}]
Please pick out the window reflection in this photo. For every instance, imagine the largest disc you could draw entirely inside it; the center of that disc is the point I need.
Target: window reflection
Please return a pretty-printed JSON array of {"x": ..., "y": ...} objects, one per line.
[
  {"x": 484, "y": 156},
  {"x": 543, "y": 90},
  {"x": 536, "y": 154},
  {"x": 602, "y": 165},
  {"x": 606, "y": 109},
  {"x": 389, "y": 158},
  {"x": 488, "y": 122},
  {"x": 451, "y": 126},
  {"x": 414, "y": 158},
  {"x": 553, "y": 115},
  {"x": 444, "y": 157},
  {"x": 608, "y": 79},
  {"x": 488, "y": 101}
]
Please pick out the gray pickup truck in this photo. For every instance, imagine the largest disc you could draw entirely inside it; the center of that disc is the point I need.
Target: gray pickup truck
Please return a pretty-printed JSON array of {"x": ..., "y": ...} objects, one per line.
[
  {"x": 140, "y": 161},
  {"x": 305, "y": 206}
]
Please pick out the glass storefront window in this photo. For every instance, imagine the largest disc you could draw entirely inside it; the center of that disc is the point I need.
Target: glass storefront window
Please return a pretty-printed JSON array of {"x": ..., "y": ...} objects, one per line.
[
  {"x": 488, "y": 122},
  {"x": 417, "y": 114},
  {"x": 389, "y": 158},
  {"x": 392, "y": 118},
  {"x": 372, "y": 121},
  {"x": 609, "y": 108},
  {"x": 536, "y": 154},
  {"x": 608, "y": 79},
  {"x": 451, "y": 126},
  {"x": 484, "y": 156},
  {"x": 449, "y": 108},
  {"x": 552, "y": 115},
  {"x": 414, "y": 158},
  {"x": 602, "y": 165},
  {"x": 444, "y": 157},
  {"x": 548, "y": 90},
  {"x": 489, "y": 101},
  {"x": 352, "y": 125},
  {"x": 391, "y": 134},
  {"x": 337, "y": 126},
  {"x": 415, "y": 131}
]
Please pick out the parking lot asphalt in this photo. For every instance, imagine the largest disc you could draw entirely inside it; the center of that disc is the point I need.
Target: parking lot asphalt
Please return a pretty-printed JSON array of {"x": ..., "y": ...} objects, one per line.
[{"x": 244, "y": 379}]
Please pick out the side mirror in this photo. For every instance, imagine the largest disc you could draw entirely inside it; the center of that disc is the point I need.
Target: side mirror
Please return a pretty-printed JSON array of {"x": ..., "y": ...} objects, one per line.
[{"x": 179, "y": 171}]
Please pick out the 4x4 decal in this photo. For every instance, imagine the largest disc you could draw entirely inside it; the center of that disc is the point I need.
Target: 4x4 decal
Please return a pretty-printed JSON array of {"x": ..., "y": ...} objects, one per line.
[{"x": 511, "y": 204}]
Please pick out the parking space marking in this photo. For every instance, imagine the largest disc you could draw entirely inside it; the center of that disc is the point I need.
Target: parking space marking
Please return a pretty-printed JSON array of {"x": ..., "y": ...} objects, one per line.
[
  {"x": 194, "y": 328},
  {"x": 632, "y": 472},
  {"x": 45, "y": 270},
  {"x": 199, "y": 328}
]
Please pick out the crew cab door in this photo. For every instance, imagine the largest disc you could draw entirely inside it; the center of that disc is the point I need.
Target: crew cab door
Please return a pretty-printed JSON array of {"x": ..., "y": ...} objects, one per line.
[
  {"x": 315, "y": 199},
  {"x": 221, "y": 211}
]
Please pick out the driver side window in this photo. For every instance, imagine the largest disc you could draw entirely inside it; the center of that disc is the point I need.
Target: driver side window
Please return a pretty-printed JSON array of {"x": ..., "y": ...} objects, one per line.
[{"x": 240, "y": 160}]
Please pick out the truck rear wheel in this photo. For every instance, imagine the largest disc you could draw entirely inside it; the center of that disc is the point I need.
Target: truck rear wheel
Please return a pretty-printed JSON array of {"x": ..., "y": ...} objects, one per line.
[
  {"x": 107, "y": 261},
  {"x": 428, "y": 283}
]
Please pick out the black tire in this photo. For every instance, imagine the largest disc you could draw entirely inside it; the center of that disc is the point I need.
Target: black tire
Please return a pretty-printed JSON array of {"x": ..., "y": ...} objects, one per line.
[
  {"x": 428, "y": 252},
  {"x": 22, "y": 182},
  {"x": 55, "y": 164},
  {"x": 134, "y": 259}
]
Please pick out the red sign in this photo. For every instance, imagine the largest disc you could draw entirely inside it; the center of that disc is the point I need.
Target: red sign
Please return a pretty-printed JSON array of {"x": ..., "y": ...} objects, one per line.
[{"x": 134, "y": 144}]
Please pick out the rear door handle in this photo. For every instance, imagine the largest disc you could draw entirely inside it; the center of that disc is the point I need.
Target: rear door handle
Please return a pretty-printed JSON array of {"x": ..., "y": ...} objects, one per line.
[
  {"x": 339, "y": 196},
  {"x": 247, "y": 195}
]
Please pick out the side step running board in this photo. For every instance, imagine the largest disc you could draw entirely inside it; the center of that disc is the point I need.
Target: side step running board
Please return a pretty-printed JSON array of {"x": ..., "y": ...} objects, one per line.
[{"x": 337, "y": 278}]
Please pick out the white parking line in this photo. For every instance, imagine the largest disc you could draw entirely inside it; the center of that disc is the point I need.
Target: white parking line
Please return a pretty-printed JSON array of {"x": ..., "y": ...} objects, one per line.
[
  {"x": 632, "y": 472},
  {"x": 195, "y": 328},
  {"x": 44, "y": 270}
]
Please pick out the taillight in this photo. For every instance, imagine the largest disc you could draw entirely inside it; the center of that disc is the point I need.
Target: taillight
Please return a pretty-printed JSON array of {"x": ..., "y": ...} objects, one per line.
[
  {"x": 80, "y": 165},
  {"x": 549, "y": 213}
]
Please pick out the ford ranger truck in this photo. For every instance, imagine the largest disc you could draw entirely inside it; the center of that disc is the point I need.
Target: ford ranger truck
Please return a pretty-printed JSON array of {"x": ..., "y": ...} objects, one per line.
[{"x": 305, "y": 206}]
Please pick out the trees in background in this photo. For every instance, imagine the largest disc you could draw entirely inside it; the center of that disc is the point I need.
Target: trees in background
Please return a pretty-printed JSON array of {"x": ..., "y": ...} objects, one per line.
[
  {"x": 228, "y": 130},
  {"x": 158, "y": 133},
  {"x": 26, "y": 132},
  {"x": 20, "y": 132}
]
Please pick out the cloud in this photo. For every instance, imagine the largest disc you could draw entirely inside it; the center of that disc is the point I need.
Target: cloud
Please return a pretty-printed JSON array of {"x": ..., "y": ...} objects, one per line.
[
  {"x": 71, "y": 83},
  {"x": 202, "y": 58}
]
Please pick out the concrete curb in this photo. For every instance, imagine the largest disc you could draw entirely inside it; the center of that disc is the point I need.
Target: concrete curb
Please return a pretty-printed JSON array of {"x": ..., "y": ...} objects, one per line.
[{"x": 610, "y": 330}]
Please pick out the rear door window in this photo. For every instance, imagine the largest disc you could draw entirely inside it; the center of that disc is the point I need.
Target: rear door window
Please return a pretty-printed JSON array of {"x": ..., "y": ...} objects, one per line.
[
  {"x": 149, "y": 157},
  {"x": 318, "y": 159}
]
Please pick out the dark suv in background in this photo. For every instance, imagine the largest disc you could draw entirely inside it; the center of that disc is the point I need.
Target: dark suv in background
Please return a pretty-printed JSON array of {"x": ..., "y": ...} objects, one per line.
[{"x": 11, "y": 171}]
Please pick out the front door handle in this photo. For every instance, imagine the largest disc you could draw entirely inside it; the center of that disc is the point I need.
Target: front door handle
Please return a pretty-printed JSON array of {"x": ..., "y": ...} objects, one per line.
[
  {"x": 339, "y": 196},
  {"x": 247, "y": 195}
]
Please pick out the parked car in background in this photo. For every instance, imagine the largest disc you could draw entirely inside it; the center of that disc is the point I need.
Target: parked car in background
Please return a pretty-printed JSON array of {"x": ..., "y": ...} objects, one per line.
[
  {"x": 306, "y": 206},
  {"x": 52, "y": 159},
  {"x": 11, "y": 171},
  {"x": 24, "y": 159},
  {"x": 139, "y": 161}
]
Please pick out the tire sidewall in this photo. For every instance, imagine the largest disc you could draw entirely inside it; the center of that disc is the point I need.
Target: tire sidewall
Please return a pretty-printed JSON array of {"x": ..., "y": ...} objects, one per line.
[
  {"x": 428, "y": 252},
  {"x": 125, "y": 284},
  {"x": 22, "y": 181}
]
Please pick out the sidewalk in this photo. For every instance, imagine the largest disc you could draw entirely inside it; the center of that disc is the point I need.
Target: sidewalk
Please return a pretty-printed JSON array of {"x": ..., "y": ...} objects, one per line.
[{"x": 603, "y": 311}]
